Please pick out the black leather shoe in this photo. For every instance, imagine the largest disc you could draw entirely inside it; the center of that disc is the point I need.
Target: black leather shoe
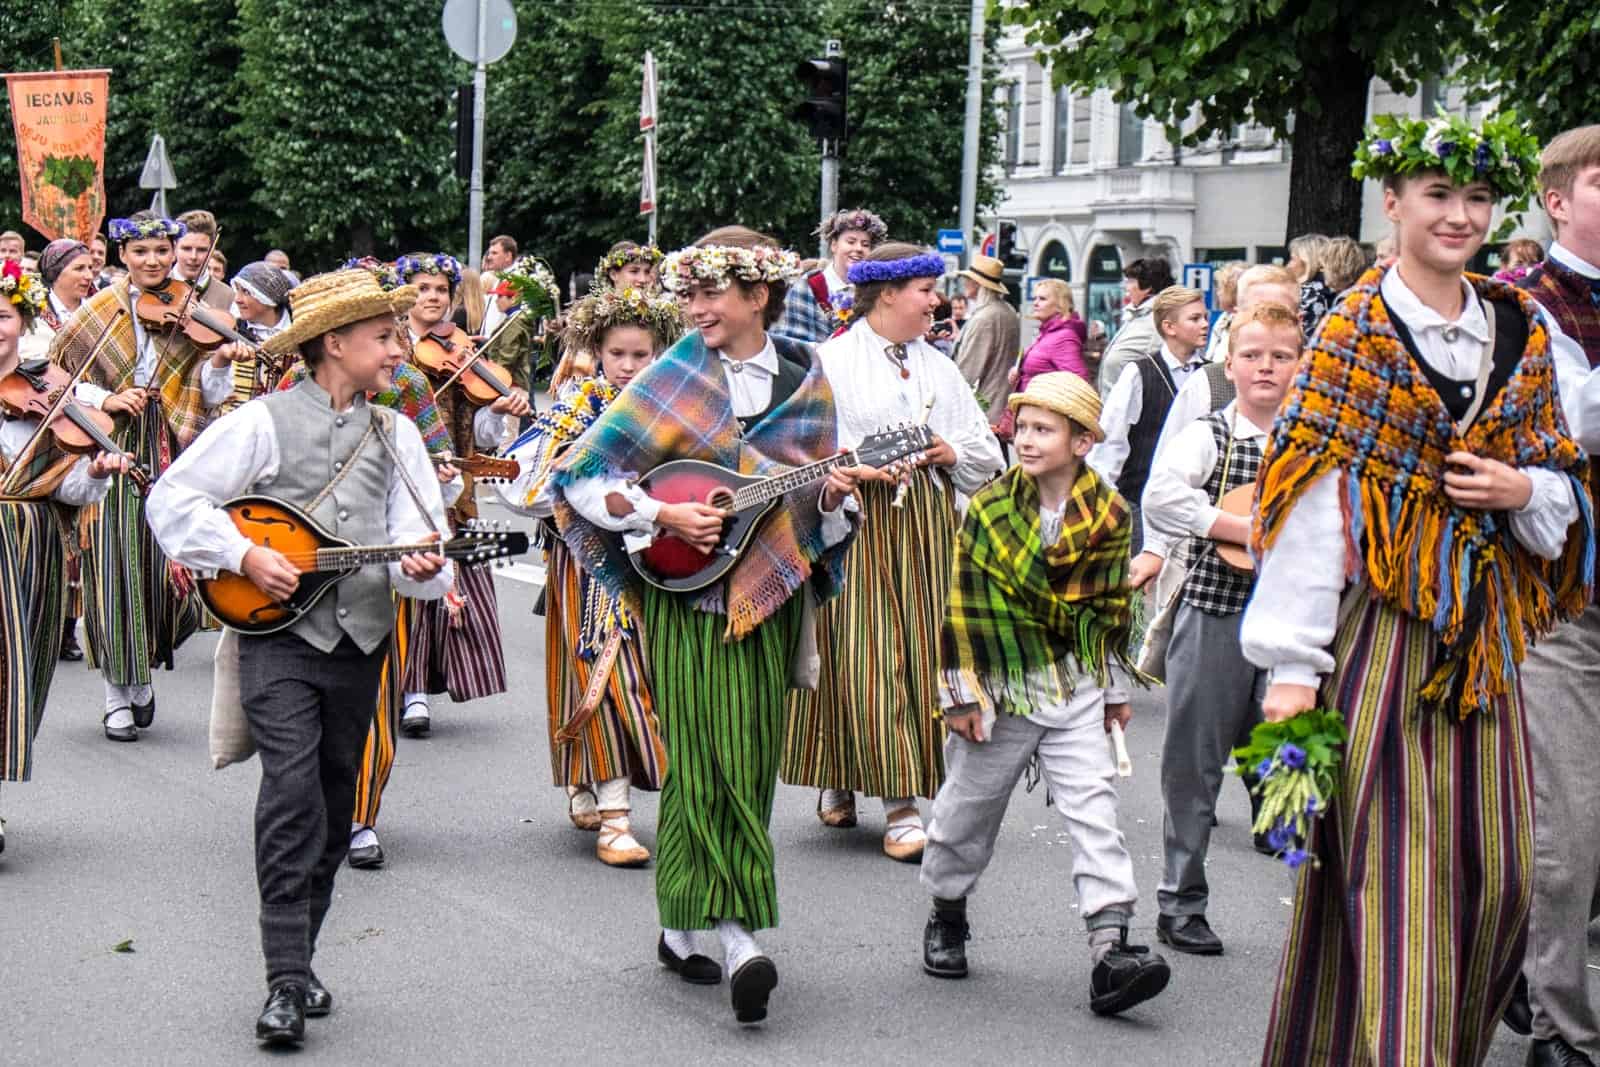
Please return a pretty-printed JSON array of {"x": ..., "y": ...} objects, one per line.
[
  {"x": 1519, "y": 1013},
  {"x": 283, "y": 1019},
  {"x": 1188, "y": 933},
  {"x": 145, "y": 714},
  {"x": 750, "y": 987},
  {"x": 71, "y": 651},
  {"x": 367, "y": 858},
  {"x": 1125, "y": 976},
  {"x": 694, "y": 968},
  {"x": 1554, "y": 1052},
  {"x": 944, "y": 945},
  {"x": 416, "y": 726},
  {"x": 319, "y": 1001},
  {"x": 118, "y": 733}
]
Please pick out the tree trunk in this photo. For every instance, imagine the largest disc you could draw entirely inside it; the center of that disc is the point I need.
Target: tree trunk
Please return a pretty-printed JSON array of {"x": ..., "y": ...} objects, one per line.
[
  {"x": 1323, "y": 198},
  {"x": 361, "y": 240}
]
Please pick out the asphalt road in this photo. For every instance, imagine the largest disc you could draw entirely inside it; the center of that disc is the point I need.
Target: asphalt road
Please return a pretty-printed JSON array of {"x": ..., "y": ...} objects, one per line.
[{"x": 493, "y": 936}]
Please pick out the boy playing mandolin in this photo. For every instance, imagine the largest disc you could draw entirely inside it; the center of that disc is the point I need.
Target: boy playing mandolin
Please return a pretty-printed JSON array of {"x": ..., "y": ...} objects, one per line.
[
  {"x": 362, "y": 473},
  {"x": 1213, "y": 692}
]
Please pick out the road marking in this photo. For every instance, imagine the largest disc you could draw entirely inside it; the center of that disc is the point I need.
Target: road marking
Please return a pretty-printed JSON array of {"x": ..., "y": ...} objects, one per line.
[{"x": 526, "y": 573}]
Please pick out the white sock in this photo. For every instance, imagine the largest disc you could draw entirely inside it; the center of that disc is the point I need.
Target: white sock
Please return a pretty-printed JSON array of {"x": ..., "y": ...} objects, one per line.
[
  {"x": 679, "y": 942},
  {"x": 143, "y": 693},
  {"x": 118, "y": 696},
  {"x": 611, "y": 794},
  {"x": 363, "y": 838},
  {"x": 416, "y": 704},
  {"x": 737, "y": 944},
  {"x": 894, "y": 804},
  {"x": 121, "y": 717}
]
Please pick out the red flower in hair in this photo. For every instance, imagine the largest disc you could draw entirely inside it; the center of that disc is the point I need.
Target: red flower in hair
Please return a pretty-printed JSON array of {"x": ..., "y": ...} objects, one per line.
[{"x": 12, "y": 269}]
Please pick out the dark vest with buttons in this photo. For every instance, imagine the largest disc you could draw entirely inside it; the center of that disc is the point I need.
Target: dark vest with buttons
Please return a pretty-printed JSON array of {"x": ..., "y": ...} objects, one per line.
[
  {"x": 315, "y": 443},
  {"x": 1510, "y": 340},
  {"x": 1222, "y": 389},
  {"x": 1213, "y": 586},
  {"x": 1572, "y": 300},
  {"x": 793, "y": 366},
  {"x": 1157, "y": 391}
]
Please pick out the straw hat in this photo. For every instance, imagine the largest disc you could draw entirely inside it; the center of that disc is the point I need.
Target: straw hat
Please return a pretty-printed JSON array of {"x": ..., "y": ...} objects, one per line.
[
  {"x": 987, "y": 272},
  {"x": 338, "y": 298},
  {"x": 1065, "y": 393}
]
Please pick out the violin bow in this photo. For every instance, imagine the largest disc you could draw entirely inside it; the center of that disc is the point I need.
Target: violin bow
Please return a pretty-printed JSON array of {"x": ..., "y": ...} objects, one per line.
[
  {"x": 478, "y": 352},
  {"x": 32, "y": 444}
]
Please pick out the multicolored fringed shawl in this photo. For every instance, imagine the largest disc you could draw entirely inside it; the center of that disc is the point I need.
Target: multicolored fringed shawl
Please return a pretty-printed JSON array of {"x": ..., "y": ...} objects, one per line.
[
  {"x": 40, "y": 474},
  {"x": 680, "y": 408},
  {"x": 1360, "y": 405},
  {"x": 1017, "y": 605},
  {"x": 552, "y": 432},
  {"x": 177, "y": 377},
  {"x": 409, "y": 394}
]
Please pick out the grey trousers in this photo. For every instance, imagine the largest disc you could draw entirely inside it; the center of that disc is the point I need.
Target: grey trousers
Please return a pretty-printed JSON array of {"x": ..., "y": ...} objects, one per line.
[
  {"x": 308, "y": 713},
  {"x": 1561, "y": 689},
  {"x": 1213, "y": 701},
  {"x": 1075, "y": 763}
]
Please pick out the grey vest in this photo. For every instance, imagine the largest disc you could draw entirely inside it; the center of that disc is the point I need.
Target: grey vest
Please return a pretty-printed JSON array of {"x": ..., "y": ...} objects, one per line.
[{"x": 314, "y": 443}]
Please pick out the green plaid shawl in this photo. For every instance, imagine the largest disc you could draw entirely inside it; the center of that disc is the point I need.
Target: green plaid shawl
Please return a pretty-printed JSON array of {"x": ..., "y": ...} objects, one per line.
[{"x": 1018, "y": 606}]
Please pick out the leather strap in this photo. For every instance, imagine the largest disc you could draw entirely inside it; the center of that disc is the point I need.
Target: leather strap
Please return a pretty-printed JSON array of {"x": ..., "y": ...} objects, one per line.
[{"x": 599, "y": 678}]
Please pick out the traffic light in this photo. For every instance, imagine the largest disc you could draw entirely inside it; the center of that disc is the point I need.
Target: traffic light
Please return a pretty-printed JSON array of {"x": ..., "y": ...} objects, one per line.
[
  {"x": 825, "y": 81},
  {"x": 1005, "y": 245},
  {"x": 461, "y": 126}
]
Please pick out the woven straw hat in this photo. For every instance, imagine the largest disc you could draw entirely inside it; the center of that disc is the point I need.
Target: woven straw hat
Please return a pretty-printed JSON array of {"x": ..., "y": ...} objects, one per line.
[
  {"x": 338, "y": 298},
  {"x": 987, "y": 272},
  {"x": 1066, "y": 394}
]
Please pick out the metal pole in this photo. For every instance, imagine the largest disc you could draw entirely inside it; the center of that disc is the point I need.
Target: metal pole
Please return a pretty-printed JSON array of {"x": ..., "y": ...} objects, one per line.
[
  {"x": 830, "y": 186},
  {"x": 969, "y": 138},
  {"x": 475, "y": 196}
]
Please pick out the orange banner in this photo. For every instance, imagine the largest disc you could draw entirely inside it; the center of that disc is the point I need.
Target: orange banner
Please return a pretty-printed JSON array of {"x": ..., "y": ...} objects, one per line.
[{"x": 60, "y": 119}]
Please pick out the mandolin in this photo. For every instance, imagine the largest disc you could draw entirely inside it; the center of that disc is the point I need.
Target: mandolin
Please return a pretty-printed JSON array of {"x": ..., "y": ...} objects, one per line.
[
  {"x": 324, "y": 560},
  {"x": 483, "y": 468},
  {"x": 1237, "y": 501},
  {"x": 673, "y": 564}
]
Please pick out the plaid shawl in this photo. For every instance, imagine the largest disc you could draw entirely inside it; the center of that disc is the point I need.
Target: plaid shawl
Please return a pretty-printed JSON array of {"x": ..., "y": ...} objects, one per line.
[
  {"x": 409, "y": 394},
  {"x": 679, "y": 407},
  {"x": 1360, "y": 406},
  {"x": 40, "y": 475},
  {"x": 1017, "y": 605},
  {"x": 177, "y": 377},
  {"x": 553, "y": 432}
]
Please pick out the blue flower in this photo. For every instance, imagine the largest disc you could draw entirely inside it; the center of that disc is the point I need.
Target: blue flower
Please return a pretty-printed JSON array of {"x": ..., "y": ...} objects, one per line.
[
  {"x": 1279, "y": 837},
  {"x": 1445, "y": 148},
  {"x": 1480, "y": 159},
  {"x": 1312, "y": 807},
  {"x": 1264, "y": 769},
  {"x": 1293, "y": 756},
  {"x": 1295, "y": 857},
  {"x": 1384, "y": 147}
]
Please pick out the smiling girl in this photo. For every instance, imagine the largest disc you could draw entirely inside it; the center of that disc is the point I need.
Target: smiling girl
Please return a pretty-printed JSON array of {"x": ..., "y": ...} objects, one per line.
[{"x": 1420, "y": 521}]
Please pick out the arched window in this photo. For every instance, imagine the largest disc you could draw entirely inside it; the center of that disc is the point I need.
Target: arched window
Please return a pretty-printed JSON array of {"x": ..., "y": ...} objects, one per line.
[{"x": 1053, "y": 262}]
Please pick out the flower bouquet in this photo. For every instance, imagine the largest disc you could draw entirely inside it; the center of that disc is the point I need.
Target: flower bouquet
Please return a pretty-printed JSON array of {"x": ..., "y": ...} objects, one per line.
[{"x": 1295, "y": 764}]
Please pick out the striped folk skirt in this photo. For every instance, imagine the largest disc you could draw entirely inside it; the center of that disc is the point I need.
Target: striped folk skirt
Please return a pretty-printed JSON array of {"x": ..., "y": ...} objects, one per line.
[
  {"x": 133, "y": 614},
  {"x": 722, "y": 708},
  {"x": 622, "y": 738},
  {"x": 32, "y": 604},
  {"x": 1405, "y": 944},
  {"x": 377, "y": 759},
  {"x": 872, "y": 724},
  {"x": 464, "y": 660}
]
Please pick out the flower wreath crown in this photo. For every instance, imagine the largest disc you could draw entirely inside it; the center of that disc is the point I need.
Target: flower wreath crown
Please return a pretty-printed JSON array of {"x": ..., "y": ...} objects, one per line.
[
  {"x": 388, "y": 277},
  {"x": 926, "y": 265},
  {"x": 124, "y": 230},
  {"x": 859, "y": 219},
  {"x": 592, "y": 316},
  {"x": 535, "y": 285},
  {"x": 719, "y": 265},
  {"x": 429, "y": 263},
  {"x": 1501, "y": 152},
  {"x": 25, "y": 291},
  {"x": 623, "y": 256}
]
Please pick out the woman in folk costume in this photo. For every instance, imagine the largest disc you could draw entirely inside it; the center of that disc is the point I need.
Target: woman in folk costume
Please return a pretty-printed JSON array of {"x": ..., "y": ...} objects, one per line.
[
  {"x": 410, "y": 394},
  {"x": 138, "y": 608},
  {"x": 39, "y": 487},
  {"x": 595, "y": 749},
  {"x": 629, "y": 265},
  {"x": 720, "y": 659},
  {"x": 1420, "y": 519},
  {"x": 455, "y": 645},
  {"x": 873, "y": 722},
  {"x": 816, "y": 306}
]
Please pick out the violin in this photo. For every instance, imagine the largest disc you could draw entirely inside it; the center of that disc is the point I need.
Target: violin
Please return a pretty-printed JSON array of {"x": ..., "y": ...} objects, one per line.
[
  {"x": 173, "y": 304},
  {"x": 446, "y": 349},
  {"x": 38, "y": 389}
]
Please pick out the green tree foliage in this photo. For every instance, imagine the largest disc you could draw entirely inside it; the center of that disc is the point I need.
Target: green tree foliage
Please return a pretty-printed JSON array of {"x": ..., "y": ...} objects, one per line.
[
  {"x": 1204, "y": 69},
  {"x": 344, "y": 112},
  {"x": 907, "y": 108},
  {"x": 1541, "y": 59}
]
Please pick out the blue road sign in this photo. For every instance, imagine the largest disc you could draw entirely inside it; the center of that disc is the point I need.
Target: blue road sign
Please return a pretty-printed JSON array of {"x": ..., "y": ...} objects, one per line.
[{"x": 952, "y": 242}]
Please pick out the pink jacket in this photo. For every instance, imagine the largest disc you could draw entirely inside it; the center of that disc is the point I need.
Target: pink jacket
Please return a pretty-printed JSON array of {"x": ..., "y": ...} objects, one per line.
[{"x": 1059, "y": 346}]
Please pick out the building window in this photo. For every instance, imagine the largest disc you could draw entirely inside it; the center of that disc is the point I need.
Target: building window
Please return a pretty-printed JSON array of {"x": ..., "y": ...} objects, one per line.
[
  {"x": 1277, "y": 255},
  {"x": 1219, "y": 256},
  {"x": 1072, "y": 130},
  {"x": 1104, "y": 297},
  {"x": 1033, "y": 131},
  {"x": 1013, "y": 151},
  {"x": 1130, "y": 136},
  {"x": 1053, "y": 262}
]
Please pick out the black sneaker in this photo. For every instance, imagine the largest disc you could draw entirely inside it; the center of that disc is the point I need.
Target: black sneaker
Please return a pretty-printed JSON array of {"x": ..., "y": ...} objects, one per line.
[
  {"x": 944, "y": 946},
  {"x": 1125, "y": 976}
]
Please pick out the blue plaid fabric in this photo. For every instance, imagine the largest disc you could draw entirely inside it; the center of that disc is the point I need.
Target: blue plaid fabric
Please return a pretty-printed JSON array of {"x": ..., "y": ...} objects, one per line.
[{"x": 803, "y": 318}]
